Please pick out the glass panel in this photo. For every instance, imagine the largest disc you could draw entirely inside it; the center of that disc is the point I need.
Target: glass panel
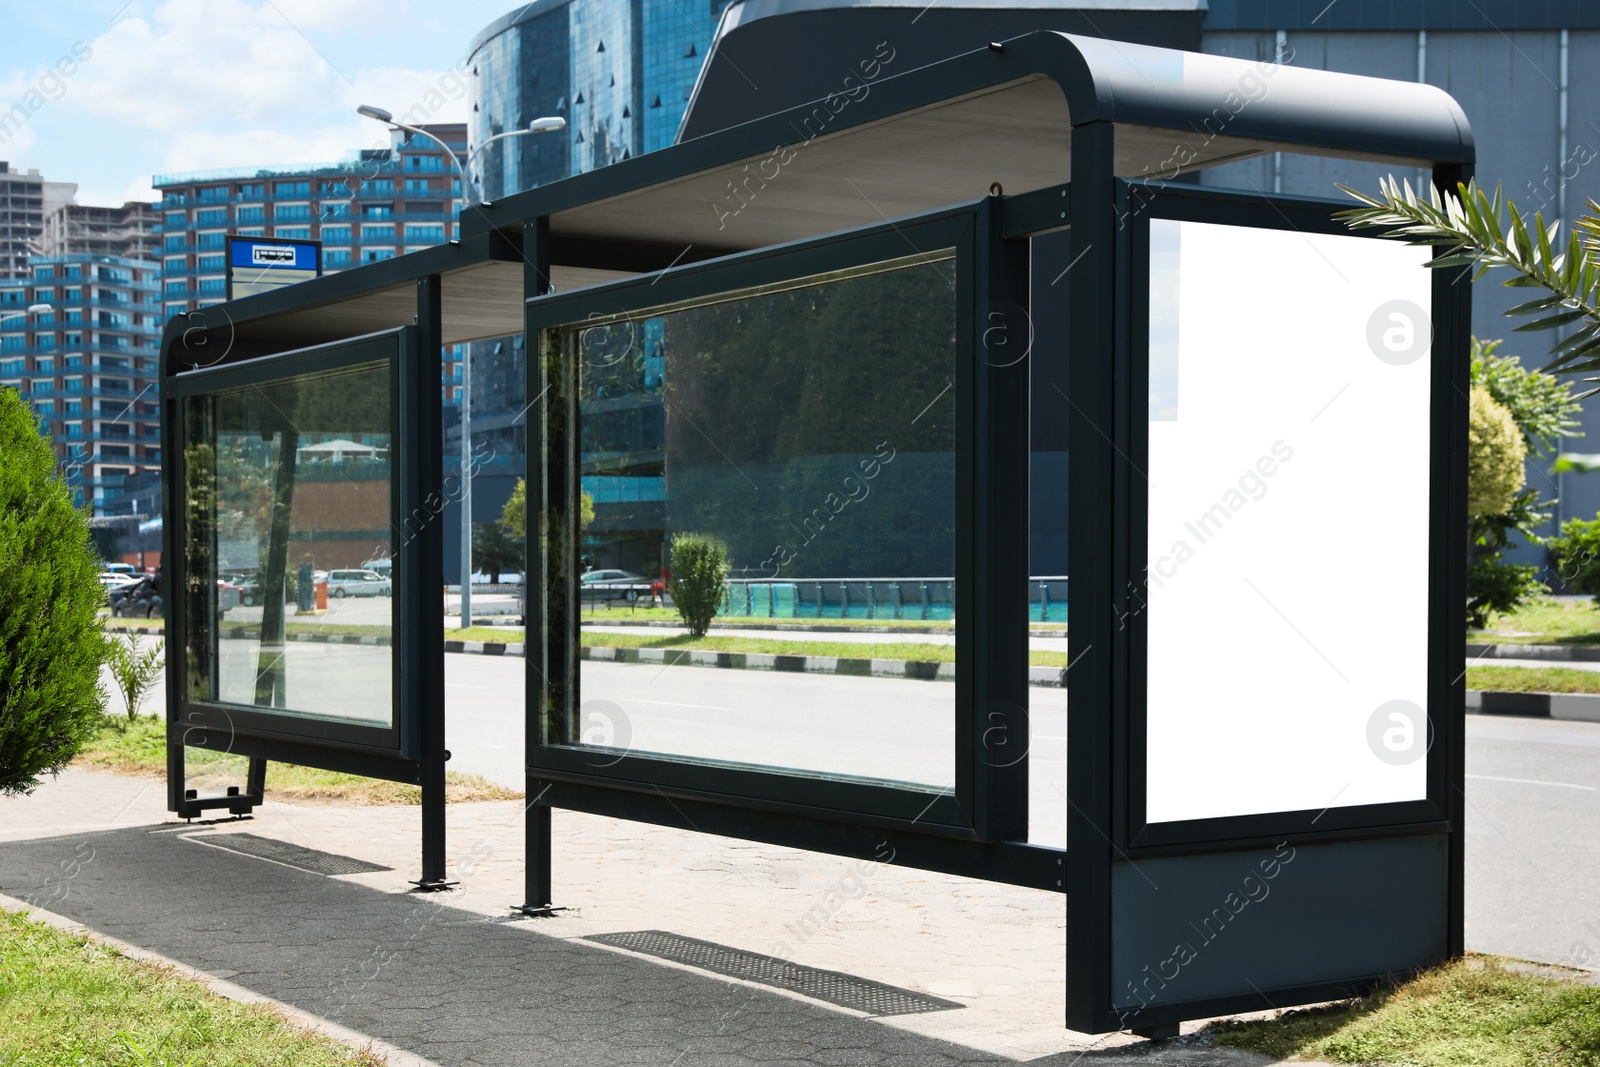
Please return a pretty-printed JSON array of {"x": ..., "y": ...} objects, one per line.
[
  {"x": 287, "y": 482},
  {"x": 1286, "y": 599},
  {"x": 812, "y": 431}
]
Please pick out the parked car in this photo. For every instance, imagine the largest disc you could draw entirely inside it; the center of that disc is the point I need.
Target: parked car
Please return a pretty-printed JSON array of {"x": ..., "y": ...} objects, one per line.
[
  {"x": 111, "y": 582},
  {"x": 358, "y": 583},
  {"x": 506, "y": 578},
  {"x": 228, "y": 594},
  {"x": 382, "y": 567},
  {"x": 616, "y": 585},
  {"x": 122, "y": 570},
  {"x": 140, "y": 599}
]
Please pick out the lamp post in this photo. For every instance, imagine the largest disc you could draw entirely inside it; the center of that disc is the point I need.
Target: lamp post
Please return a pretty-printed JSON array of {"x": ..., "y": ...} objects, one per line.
[
  {"x": 551, "y": 124},
  {"x": 33, "y": 309}
]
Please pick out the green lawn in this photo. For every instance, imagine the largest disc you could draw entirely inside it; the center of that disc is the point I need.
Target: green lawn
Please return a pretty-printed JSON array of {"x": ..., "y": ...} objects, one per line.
[
  {"x": 1544, "y": 621},
  {"x": 1533, "y": 680},
  {"x": 1481, "y": 1010},
  {"x": 140, "y": 747},
  {"x": 66, "y": 1000}
]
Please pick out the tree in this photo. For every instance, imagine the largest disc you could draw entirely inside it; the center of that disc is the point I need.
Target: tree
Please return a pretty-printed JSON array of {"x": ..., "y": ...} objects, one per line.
[
  {"x": 51, "y": 641},
  {"x": 514, "y": 515},
  {"x": 495, "y": 550},
  {"x": 1542, "y": 408},
  {"x": 699, "y": 571}
]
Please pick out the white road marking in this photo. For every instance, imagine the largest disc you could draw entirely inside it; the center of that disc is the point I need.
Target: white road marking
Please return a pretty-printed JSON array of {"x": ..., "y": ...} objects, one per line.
[{"x": 1531, "y": 781}]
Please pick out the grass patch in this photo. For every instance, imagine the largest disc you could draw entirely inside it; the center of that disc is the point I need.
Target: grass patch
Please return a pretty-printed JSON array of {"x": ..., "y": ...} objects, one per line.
[
  {"x": 1544, "y": 621},
  {"x": 1479, "y": 1010},
  {"x": 1533, "y": 680},
  {"x": 139, "y": 747},
  {"x": 65, "y": 999}
]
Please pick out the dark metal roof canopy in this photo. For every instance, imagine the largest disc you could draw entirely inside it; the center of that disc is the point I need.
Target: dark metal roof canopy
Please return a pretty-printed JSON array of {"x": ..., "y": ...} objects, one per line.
[{"x": 903, "y": 145}]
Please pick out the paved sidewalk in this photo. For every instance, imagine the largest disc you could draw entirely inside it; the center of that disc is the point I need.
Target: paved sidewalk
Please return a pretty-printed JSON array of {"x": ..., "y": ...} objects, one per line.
[{"x": 454, "y": 978}]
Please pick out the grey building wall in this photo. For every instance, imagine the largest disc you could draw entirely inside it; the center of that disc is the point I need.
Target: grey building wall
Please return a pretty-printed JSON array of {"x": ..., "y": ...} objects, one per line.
[{"x": 1509, "y": 83}]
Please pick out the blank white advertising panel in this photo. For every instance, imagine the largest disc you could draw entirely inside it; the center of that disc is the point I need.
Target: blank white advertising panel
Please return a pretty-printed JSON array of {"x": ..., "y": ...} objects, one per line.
[{"x": 1285, "y": 602}]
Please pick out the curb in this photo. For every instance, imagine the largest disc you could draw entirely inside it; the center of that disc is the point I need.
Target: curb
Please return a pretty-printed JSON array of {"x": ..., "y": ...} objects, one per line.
[
  {"x": 397, "y": 1057},
  {"x": 1575, "y": 707},
  {"x": 1038, "y": 677},
  {"x": 1554, "y": 653}
]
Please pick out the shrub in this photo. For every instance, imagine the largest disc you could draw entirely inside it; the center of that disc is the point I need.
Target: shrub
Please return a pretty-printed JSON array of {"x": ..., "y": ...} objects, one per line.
[
  {"x": 1576, "y": 555},
  {"x": 1495, "y": 453},
  {"x": 699, "y": 569},
  {"x": 133, "y": 671},
  {"x": 51, "y": 641}
]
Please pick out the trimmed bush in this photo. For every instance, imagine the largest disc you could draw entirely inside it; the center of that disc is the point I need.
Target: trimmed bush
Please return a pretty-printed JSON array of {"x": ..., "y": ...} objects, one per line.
[
  {"x": 699, "y": 570},
  {"x": 1495, "y": 454},
  {"x": 51, "y": 641}
]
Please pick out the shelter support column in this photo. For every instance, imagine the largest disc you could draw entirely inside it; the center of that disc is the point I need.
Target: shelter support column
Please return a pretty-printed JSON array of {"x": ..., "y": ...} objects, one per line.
[
  {"x": 537, "y": 893},
  {"x": 421, "y": 633}
]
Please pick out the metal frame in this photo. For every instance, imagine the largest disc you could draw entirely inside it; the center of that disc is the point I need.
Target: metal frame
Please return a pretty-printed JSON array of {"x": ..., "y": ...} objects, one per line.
[
  {"x": 1106, "y": 732},
  {"x": 1112, "y": 96},
  {"x": 989, "y": 801},
  {"x": 410, "y": 748},
  {"x": 1300, "y": 215}
]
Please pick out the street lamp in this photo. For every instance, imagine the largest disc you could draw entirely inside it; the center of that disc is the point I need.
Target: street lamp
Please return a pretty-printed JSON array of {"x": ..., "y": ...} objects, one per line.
[
  {"x": 33, "y": 309},
  {"x": 552, "y": 124}
]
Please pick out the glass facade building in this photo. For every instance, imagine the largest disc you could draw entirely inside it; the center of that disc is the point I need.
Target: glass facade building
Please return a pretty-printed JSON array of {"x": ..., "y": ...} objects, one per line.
[
  {"x": 88, "y": 366},
  {"x": 621, "y": 75},
  {"x": 377, "y": 204}
]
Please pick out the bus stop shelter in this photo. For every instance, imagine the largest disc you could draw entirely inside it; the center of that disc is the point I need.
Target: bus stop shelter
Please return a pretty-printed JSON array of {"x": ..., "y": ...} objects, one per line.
[{"x": 825, "y": 335}]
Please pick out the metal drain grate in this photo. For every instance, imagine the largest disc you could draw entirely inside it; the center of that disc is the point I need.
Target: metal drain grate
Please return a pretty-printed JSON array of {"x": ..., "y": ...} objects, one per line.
[
  {"x": 306, "y": 859},
  {"x": 832, "y": 987}
]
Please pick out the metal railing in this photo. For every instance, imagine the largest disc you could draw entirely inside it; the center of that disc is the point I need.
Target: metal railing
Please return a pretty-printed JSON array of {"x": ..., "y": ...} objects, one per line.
[{"x": 873, "y": 598}]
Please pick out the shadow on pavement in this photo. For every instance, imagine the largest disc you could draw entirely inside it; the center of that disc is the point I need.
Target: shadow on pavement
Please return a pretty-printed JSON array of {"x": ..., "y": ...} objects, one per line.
[{"x": 445, "y": 983}]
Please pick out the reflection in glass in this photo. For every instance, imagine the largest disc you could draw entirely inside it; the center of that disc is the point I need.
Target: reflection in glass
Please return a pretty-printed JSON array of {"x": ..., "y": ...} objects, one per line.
[
  {"x": 1288, "y": 489},
  {"x": 812, "y": 430},
  {"x": 285, "y": 482}
]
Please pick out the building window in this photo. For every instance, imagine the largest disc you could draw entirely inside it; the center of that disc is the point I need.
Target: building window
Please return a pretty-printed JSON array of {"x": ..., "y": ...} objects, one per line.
[
  {"x": 336, "y": 257},
  {"x": 254, "y": 231},
  {"x": 253, "y": 213},
  {"x": 253, "y": 191},
  {"x": 379, "y": 187},
  {"x": 212, "y": 194},
  {"x": 416, "y": 187},
  {"x": 291, "y": 212},
  {"x": 425, "y": 235},
  {"x": 298, "y": 233},
  {"x": 43, "y": 274},
  {"x": 377, "y": 211},
  {"x": 216, "y": 216},
  {"x": 287, "y": 190},
  {"x": 173, "y": 243},
  {"x": 176, "y": 288},
  {"x": 213, "y": 264},
  {"x": 373, "y": 255},
  {"x": 336, "y": 235},
  {"x": 211, "y": 241},
  {"x": 370, "y": 234},
  {"x": 213, "y": 285}
]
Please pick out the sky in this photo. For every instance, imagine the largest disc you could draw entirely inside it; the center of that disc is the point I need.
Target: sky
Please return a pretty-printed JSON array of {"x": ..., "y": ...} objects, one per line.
[{"x": 112, "y": 92}]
